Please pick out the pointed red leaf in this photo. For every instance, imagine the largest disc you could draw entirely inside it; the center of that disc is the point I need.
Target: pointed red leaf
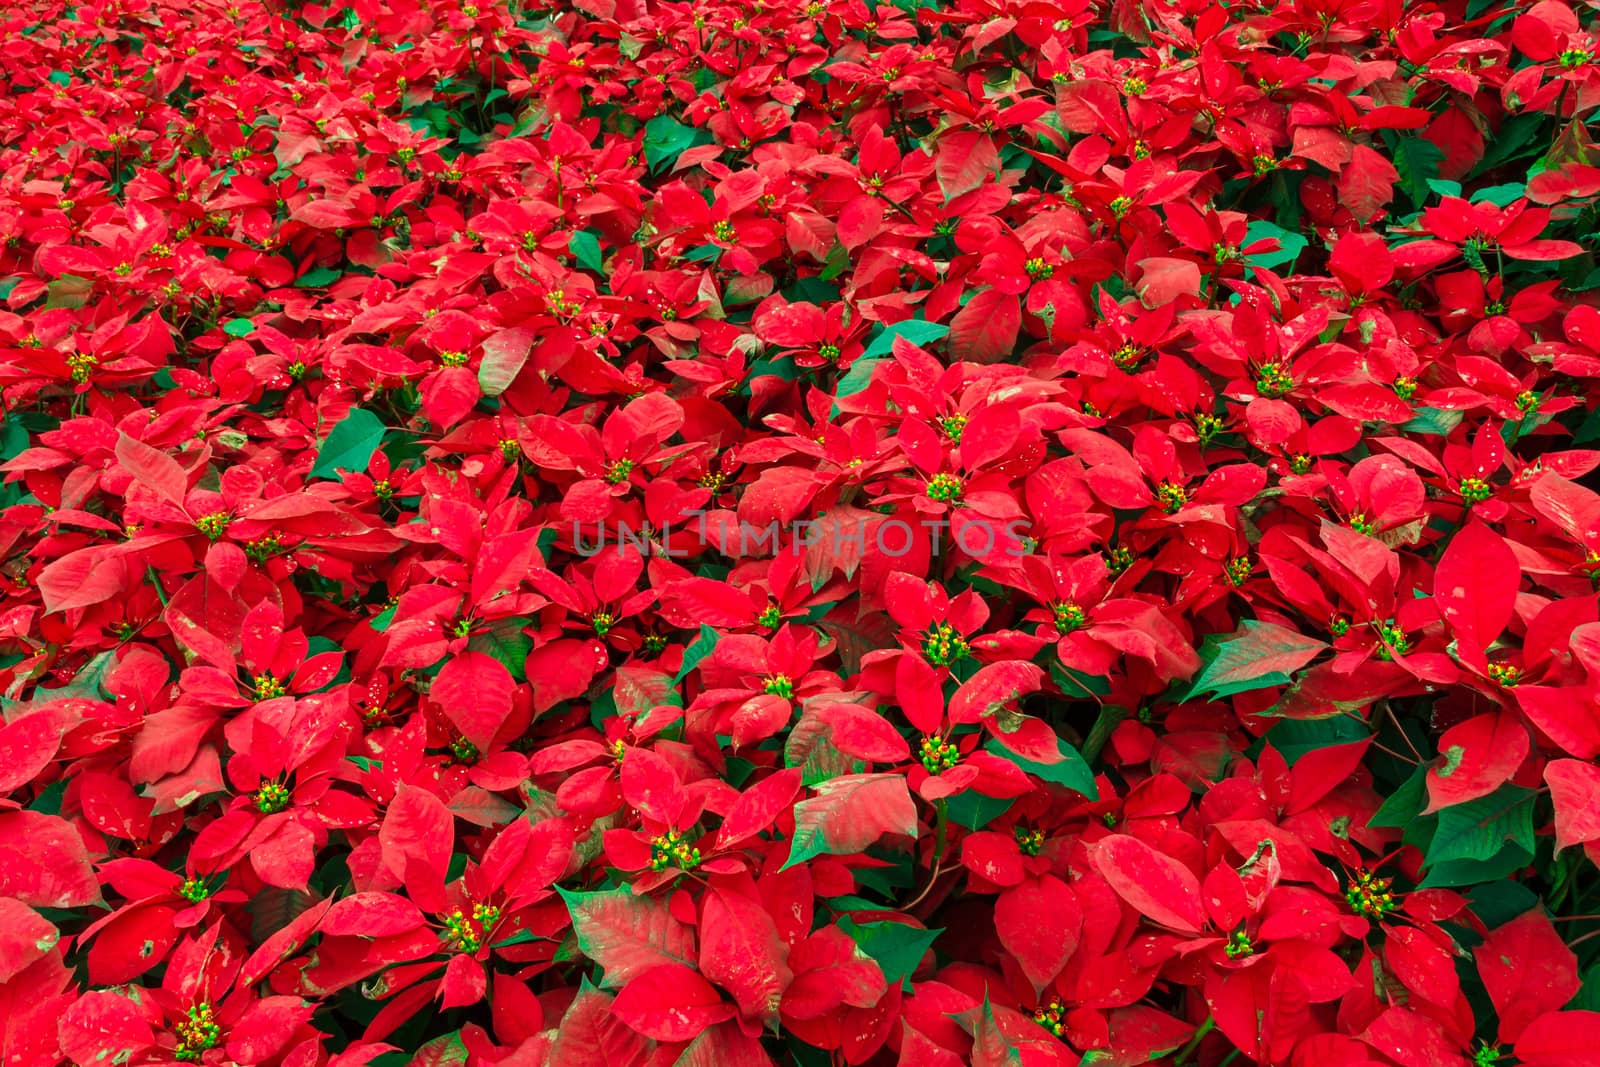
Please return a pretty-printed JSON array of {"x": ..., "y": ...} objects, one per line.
[
  {"x": 1156, "y": 886},
  {"x": 1476, "y": 757},
  {"x": 1527, "y": 969},
  {"x": 740, "y": 951},
  {"x": 670, "y": 1003},
  {"x": 1475, "y": 585},
  {"x": 1575, "y": 792},
  {"x": 1039, "y": 922},
  {"x": 475, "y": 691}
]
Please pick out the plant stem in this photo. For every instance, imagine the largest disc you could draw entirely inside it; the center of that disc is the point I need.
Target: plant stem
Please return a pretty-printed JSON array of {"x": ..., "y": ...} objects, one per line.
[
  {"x": 940, "y": 821},
  {"x": 1194, "y": 1042}
]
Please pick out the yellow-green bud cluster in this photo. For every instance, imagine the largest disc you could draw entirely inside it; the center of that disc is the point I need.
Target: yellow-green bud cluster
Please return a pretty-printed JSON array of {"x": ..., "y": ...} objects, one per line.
[
  {"x": 1050, "y": 1016},
  {"x": 1370, "y": 895},
  {"x": 272, "y": 798},
  {"x": 1274, "y": 380},
  {"x": 82, "y": 365},
  {"x": 1395, "y": 641},
  {"x": 267, "y": 687},
  {"x": 1068, "y": 616},
  {"x": 213, "y": 525},
  {"x": 1506, "y": 674},
  {"x": 1171, "y": 496},
  {"x": 197, "y": 1033},
  {"x": 939, "y": 756},
  {"x": 1207, "y": 426},
  {"x": 943, "y": 646},
  {"x": 945, "y": 488},
  {"x": 672, "y": 849},
  {"x": 1239, "y": 946},
  {"x": 263, "y": 548},
  {"x": 459, "y": 933}
]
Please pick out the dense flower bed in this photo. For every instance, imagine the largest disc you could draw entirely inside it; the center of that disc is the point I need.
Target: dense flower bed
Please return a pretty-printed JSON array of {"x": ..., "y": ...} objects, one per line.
[{"x": 625, "y": 532}]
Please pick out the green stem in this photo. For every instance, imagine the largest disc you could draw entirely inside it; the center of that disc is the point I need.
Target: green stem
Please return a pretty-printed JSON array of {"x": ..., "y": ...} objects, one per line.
[
  {"x": 1194, "y": 1042},
  {"x": 155, "y": 580}
]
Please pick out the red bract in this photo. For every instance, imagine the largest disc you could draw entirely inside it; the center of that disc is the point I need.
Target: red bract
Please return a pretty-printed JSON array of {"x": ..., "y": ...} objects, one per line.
[{"x": 632, "y": 533}]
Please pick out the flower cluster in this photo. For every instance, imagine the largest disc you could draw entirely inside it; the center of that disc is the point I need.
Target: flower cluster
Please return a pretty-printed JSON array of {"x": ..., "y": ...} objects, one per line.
[{"x": 859, "y": 532}]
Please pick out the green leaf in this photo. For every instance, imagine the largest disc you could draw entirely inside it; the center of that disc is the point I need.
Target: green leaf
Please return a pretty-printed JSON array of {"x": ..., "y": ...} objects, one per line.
[
  {"x": 381, "y": 621},
  {"x": 1479, "y": 829},
  {"x": 837, "y": 263},
  {"x": 585, "y": 247},
  {"x": 857, "y": 378},
  {"x": 898, "y": 947},
  {"x": 1073, "y": 682},
  {"x": 1473, "y": 872},
  {"x": 1403, "y": 805},
  {"x": 49, "y": 799},
  {"x": 1294, "y": 738},
  {"x": 887, "y": 881},
  {"x": 1497, "y": 903},
  {"x": 665, "y": 139},
  {"x": 506, "y": 642},
  {"x": 1417, "y": 159},
  {"x": 1255, "y": 656},
  {"x": 1435, "y": 422},
  {"x": 1518, "y": 136},
  {"x": 1291, "y": 245},
  {"x": 317, "y": 277},
  {"x": 1501, "y": 195},
  {"x": 350, "y": 445},
  {"x": 1588, "y": 998},
  {"x": 1589, "y": 430},
  {"x": 238, "y": 327},
  {"x": 974, "y": 810},
  {"x": 698, "y": 650},
  {"x": 1073, "y": 771},
  {"x": 916, "y": 331}
]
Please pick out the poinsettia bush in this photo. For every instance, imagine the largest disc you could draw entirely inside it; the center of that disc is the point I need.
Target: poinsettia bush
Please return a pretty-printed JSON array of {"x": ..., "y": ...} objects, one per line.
[{"x": 639, "y": 533}]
